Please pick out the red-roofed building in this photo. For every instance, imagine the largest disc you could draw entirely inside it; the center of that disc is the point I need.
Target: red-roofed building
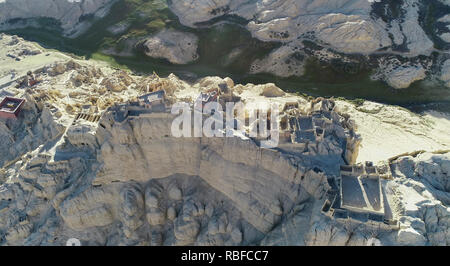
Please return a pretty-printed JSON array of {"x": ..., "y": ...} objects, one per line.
[{"x": 10, "y": 107}]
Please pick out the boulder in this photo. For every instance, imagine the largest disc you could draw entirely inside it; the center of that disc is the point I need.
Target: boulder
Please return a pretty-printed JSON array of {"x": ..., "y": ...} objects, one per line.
[
  {"x": 403, "y": 77},
  {"x": 175, "y": 46},
  {"x": 271, "y": 90}
]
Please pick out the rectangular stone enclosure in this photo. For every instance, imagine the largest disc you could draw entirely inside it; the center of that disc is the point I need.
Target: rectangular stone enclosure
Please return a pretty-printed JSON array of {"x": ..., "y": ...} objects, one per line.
[{"x": 362, "y": 193}]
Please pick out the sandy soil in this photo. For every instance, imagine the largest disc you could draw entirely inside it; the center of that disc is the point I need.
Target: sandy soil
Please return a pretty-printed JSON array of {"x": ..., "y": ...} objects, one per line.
[{"x": 388, "y": 131}]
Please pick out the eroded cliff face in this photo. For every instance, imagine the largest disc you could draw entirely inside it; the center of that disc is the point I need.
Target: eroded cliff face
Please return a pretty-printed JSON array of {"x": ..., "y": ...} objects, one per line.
[
  {"x": 263, "y": 184},
  {"x": 68, "y": 13},
  {"x": 203, "y": 191},
  {"x": 134, "y": 183},
  {"x": 287, "y": 20},
  {"x": 47, "y": 202}
]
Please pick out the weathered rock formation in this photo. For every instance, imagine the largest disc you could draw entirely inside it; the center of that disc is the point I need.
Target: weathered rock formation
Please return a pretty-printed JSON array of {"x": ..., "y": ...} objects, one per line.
[
  {"x": 177, "y": 47},
  {"x": 401, "y": 78},
  {"x": 424, "y": 189},
  {"x": 347, "y": 26},
  {"x": 34, "y": 127},
  {"x": 68, "y": 12}
]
